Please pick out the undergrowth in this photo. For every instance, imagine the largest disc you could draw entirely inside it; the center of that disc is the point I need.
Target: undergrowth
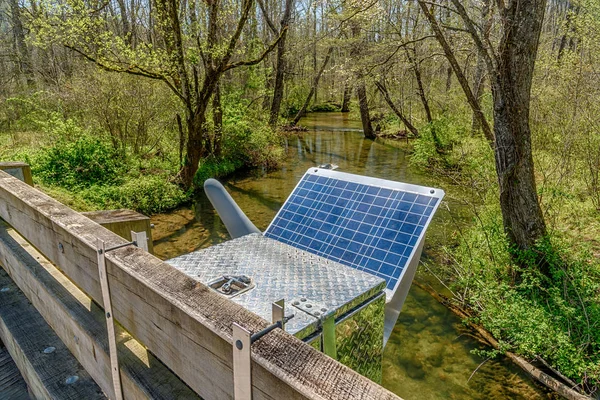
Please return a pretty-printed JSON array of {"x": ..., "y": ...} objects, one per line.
[
  {"x": 555, "y": 317},
  {"x": 87, "y": 167}
]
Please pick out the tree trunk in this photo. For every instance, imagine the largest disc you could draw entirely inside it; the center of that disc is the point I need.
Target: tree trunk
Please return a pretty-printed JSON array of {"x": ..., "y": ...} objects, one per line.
[
  {"x": 522, "y": 216},
  {"x": 347, "y": 96},
  {"x": 361, "y": 90},
  {"x": 281, "y": 65},
  {"x": 365, "y": 118},
  {"x": 511, "y": 72},
  {"x": 195, "y": 151},
  {"x": 479, "y": 77},
  {"x": 421, "y": 89},
  {"x": 460, "y": 76},
  {"x": 477, "y": 91},
  {"x": 569, "y": 31},
  {"x": 125, "y": 21},
  {"x": 313, "y": 88},
  {"x": 448, "y": 78},
  {"x": 395, "y": 109},
  {"x": 217, "y": 122},
  {"x": 24, "y": 56}
]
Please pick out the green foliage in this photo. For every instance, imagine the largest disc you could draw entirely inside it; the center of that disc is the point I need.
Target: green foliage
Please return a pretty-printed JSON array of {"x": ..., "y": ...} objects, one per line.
[
  {"x": 555, "y": 317},
  {"x": 248, "y": 140},
  {"x": 148, "y": 194},
  {"x": 84, "y": 162},
  {"x": 213, "y": 168},
  {"x": 436, "y": 139},
  {"x": 325, "y": 107}
]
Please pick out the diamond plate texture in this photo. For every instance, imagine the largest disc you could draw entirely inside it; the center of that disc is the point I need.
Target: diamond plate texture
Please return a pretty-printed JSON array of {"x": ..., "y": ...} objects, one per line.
[{"x": 282, "y": 271}]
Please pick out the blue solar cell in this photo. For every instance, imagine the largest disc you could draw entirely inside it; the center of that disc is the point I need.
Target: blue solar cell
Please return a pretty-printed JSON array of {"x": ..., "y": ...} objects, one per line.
[{"x": 365, "y": 226}]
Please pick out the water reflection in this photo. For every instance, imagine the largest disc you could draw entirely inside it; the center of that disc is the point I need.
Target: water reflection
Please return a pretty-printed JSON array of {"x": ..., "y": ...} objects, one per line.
[{"x": 429, "y": 353}]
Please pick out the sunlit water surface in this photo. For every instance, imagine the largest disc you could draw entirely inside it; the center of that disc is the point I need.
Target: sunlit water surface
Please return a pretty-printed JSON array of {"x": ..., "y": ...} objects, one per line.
[{"x": 429, "y": 353}]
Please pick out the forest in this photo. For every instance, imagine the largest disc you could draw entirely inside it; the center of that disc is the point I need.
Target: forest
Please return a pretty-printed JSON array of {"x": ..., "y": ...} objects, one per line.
[{"x": 134, "y": 103}]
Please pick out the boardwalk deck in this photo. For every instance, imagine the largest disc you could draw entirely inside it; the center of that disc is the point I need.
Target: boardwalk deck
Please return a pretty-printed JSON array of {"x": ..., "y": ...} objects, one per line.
[{"x": 12, "y": 384}]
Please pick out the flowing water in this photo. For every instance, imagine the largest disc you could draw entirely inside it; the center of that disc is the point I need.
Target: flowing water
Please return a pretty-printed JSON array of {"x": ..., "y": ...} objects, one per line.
[{"x": 429, "y": 353}]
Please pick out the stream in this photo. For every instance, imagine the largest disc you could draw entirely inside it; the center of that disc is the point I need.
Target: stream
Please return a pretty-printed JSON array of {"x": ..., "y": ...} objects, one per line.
[{"x": 429, "y": 354}]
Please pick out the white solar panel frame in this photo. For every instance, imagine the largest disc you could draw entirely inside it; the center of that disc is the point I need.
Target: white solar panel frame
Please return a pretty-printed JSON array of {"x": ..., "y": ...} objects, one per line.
[{"x": 410, "y": 265}]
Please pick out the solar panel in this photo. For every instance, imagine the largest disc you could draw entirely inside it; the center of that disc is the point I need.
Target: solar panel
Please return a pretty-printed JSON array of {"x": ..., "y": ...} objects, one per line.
[{"x": 367, "y": 223}]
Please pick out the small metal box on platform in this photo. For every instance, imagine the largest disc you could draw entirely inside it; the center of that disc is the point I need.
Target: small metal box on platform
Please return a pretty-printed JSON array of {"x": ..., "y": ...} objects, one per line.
[{"x": 314, "y": 288}]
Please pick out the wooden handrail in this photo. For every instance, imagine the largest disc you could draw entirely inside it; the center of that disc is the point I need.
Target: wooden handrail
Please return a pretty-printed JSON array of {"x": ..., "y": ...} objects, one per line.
[{"x": 186, "y": 325}]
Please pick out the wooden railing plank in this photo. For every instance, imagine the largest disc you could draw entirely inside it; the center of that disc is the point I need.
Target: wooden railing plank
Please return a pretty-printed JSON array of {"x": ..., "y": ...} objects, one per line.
[
  {"x": 179, "y": 319},
  {"x": 80, "y": 324}
]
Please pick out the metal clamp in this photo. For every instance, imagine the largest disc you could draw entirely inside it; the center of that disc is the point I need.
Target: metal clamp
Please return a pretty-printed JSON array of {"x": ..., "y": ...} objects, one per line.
[
  {"x": 139, "y": 240},
  {"x": 231, "y": 285},
  {"x": 242, "y": 342}
]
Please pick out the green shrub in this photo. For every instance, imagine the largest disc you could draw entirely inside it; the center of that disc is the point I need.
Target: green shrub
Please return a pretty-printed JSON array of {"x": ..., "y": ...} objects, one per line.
[
  {"x": 436, "y": 139},
  {"x": 554, "y": 317},
  {"x": 83, "y": 162},
  {"x": 148, "y": 194},
  {"x": 325, "y": 107},
  {"x": 213, "y": 168},
  {"x": 246, "y": 140}
]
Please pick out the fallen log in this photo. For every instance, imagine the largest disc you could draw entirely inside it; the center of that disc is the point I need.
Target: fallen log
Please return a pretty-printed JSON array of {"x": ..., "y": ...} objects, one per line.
[{"x": 537, "y": 374}]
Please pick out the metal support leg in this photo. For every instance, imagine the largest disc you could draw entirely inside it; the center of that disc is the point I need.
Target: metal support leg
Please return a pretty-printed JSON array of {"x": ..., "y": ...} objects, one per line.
[
  {"x": 242, "y": 357},
  {"x": 110, "y": 323},
  {"x": 278, "y": 312},
  {"x": 242, "y": 379},
  {"x": 140, "y": 239},
  {"x": 328, "y": 336}
]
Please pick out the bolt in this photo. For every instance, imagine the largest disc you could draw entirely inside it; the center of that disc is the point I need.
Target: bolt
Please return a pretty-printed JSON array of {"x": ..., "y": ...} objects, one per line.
[
  {"x": 296, "y": 303},
  {"x": 107, "y": 315},
  {"x": 317, "y": 313},
  {"x": 71, "y": 379},
  {"x": 309, "y": 306},
  {"x": 239, "y": 344},
  {"x": 61, "y": 248},
  {"x": 49, "y": 350},
  {"x": 4, "y": 289},
  {"x": 303, "y": 299},
  {"x": 432, "y": 191},
  {"x": 323, "y": 309}
]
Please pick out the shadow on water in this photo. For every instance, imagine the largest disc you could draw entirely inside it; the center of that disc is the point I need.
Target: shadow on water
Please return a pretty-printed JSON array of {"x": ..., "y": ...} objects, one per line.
[{"x": 429, "y": 353}]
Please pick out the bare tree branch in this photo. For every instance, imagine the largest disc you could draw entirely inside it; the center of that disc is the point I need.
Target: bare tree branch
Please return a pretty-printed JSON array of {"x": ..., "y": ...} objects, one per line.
[
  {"x": 263, "y": 9},
  {"x": 487, "y": 131},
  {"x": 256, "y": 60},
  {"x": 132, "y": 70},
  {"x": 486, "y": 51}
]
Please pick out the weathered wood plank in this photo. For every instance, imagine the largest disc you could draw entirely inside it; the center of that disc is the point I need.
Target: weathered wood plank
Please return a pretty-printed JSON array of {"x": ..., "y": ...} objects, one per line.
[
  {"x": 122, "y": 222},
  {"x": 49, "y": 375},
  {"x": 12, "y": 384},
  {"x": 19, "y": 170},
  {"x": 80, "y": 324},
  {"x": 180, "y": 320}
]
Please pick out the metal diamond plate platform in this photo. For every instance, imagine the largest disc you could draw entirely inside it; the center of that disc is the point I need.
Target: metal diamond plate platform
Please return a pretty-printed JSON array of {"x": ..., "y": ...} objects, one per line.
[{"x": 278, "y": 271}]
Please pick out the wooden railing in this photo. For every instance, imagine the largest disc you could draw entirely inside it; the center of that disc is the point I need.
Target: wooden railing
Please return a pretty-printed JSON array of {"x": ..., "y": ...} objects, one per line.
[{"x": 177, "y": 319}]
